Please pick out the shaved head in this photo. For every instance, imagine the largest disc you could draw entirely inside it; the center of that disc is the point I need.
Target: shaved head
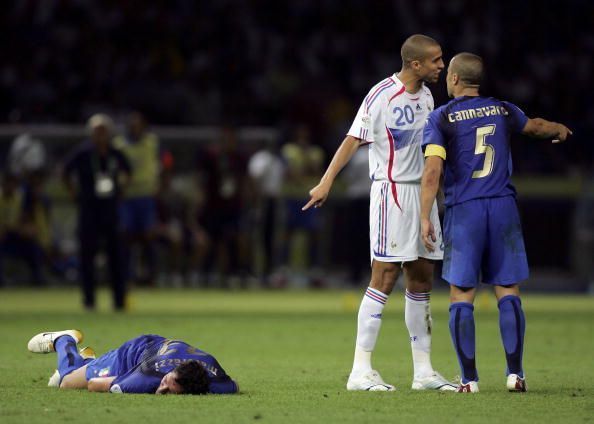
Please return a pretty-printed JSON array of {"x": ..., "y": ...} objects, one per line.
[
  {"x": 468, "y": 67},
  {"x": 416, "y": 47}
]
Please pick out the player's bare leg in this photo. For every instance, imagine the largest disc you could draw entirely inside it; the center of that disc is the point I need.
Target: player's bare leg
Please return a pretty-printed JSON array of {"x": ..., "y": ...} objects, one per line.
[
  {"x": 502, "y": 291},
  {"x": 383, "y": 279},
  {"x": 384, "y": 276},
  {"x": 463, "y": 335},
  {"x": 458, "y": 294},
  {"x": 70, "y": 361},
  {"x": 418, "y": 276},
  {"x": 512, "y": 325},
  {"x": 87, "y": 353},
  {"x": 75, "y": 380}
]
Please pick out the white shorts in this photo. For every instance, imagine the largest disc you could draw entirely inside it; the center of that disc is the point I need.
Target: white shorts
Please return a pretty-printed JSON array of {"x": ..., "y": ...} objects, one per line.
[{"x": 395, "y": 224}]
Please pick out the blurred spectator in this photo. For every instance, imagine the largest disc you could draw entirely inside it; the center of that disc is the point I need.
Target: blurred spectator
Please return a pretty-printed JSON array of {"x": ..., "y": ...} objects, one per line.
[
  {"x": 95, "y": 175},
  {"x": 583, "y": 234},
  {"x": 26, "y": 155},
  {"x": 358, "y": 183},
  {"x": 266, "y": 170},
  {"x": 137, "y": 211},
  {"x": 304, "y": 166},
  {"x": 185, "y": 242},
  {"x": 24, "y": 227},
  {"x": 36, "y": 225},
  {"x": 11, "y": 204},
  {"x": 27, "y": 222},
  {"x": 221, "y": 171}
]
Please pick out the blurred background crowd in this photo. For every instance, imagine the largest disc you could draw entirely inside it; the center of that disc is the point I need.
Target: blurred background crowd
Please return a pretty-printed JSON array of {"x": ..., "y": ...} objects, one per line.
[{"x": 247, "y": 102}]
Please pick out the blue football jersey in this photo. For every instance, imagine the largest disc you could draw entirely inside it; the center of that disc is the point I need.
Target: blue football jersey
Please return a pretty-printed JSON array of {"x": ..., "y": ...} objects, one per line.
[
  {"x": 474, "y": 133},
  {"x": 141, "y": 363}
]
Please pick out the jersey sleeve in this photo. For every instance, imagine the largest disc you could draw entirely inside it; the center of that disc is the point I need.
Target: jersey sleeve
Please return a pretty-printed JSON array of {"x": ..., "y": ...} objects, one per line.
[
  {"x": 223, "y": 386},
  {"x": 433, "y": 136},
  {"x": 367, "y": 118},
  {"x": 516, "y": 116},
  {"x": 135, "y": 382}
]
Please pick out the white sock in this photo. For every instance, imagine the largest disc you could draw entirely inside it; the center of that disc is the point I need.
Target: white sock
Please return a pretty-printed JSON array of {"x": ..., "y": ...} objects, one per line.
[
  {"x": 369, "y": 322},
  {"x": 417, "y": 314}
]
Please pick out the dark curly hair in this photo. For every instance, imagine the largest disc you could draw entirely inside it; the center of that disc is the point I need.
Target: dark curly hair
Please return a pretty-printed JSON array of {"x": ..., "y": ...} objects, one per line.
[{"x": 192, "y": 377}]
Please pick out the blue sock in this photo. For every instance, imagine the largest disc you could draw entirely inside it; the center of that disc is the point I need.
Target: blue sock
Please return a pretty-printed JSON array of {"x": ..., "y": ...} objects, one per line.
[
  {"x": 68, "y": 357},
  {"x": 462, "y": 332},
  {"x": 512, "y": 325}
]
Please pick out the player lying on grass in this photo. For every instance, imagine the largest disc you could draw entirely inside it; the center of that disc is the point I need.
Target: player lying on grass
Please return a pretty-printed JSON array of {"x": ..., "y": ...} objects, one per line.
[{"x": 145, "y": 364}]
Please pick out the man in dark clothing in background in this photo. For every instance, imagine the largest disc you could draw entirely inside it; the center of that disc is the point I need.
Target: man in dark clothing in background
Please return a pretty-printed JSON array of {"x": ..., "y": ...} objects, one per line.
[{"x": 101, "y": 173}]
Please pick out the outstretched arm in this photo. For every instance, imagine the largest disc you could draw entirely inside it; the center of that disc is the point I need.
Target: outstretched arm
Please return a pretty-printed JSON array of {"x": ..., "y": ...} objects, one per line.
[
  {"x": 342, "y": 156},
  {"x": 100, "y": 384},
  {"x": 429, "y": 188},
  {"x": 541, "y": 128}
]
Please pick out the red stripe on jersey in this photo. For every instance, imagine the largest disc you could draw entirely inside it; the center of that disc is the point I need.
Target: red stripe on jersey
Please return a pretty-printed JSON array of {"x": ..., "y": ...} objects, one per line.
[
  {"x": 391, "y": 160},
  {"x": 390, "y": 163},
  {"x": 397, "y": 94}
]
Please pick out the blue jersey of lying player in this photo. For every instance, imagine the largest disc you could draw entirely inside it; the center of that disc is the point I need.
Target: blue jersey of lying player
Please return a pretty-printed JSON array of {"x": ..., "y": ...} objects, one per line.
[
  {"x": 472, "y": 134},
  {"x": 140, "y": 364}
]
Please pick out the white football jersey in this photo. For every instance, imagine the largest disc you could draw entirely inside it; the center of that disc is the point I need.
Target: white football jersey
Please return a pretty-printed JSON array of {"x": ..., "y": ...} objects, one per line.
[{"x": 392, "y": 121}]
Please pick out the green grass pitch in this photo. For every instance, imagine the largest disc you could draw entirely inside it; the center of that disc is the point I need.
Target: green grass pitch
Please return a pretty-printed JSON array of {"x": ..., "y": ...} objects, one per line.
[{"x": 291, "y": 352}]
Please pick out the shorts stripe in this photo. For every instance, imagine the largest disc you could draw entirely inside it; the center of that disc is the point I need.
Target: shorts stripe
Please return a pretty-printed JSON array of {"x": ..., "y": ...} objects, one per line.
[
  {"x": 380, "y": 221},
  {"x": 384, "y": 219},
  {"x": 385, "y": 201}
]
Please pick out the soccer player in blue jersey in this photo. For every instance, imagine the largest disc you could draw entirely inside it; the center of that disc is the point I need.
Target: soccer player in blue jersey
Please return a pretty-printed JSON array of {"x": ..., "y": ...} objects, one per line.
[
  {"x": 145, "y": 364},
  {"x": 469, "y": 140}
]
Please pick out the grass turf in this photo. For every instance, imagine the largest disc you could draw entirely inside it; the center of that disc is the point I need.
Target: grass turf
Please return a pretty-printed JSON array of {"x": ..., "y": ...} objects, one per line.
[{"x": 291, "y": 353}]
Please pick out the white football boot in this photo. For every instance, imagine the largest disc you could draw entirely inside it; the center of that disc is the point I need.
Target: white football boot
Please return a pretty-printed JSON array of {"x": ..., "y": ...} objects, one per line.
[
  {"x": 370, "y": 381},
  {"x": 515, "y": 383},
  {"x": 44, "y": 342},
  {"x": 434, "y": 382},
  {"x": 470, "y": 387}
]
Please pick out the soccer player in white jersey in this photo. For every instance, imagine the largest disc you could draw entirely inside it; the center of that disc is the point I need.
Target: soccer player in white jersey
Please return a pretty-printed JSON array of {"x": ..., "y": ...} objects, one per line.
[{"x": 390, "y": 120}]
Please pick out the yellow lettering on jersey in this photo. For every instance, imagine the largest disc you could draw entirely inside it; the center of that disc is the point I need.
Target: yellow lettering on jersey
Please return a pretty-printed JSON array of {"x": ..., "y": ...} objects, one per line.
[
  {"x": 165, "y": 349},
  {"x": 479, "y": 112},
  {"x": 482, "y": 148}
]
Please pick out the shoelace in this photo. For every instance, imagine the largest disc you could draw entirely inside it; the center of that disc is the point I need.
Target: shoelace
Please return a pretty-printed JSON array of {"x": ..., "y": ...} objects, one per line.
[{"x": 45, "y": 345}]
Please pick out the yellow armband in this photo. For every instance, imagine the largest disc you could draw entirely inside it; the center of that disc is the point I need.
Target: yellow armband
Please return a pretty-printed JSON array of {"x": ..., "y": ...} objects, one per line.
[{"x": 435, "y": 150}]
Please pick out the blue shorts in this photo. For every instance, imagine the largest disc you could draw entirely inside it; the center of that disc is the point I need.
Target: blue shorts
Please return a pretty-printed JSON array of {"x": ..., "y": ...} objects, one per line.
[
  {"x": 484, "y": 236},
  {"x": 121, "y": 360},
  {"x": 104, "y": 366},
  {"x": 138, "y": 215}
]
